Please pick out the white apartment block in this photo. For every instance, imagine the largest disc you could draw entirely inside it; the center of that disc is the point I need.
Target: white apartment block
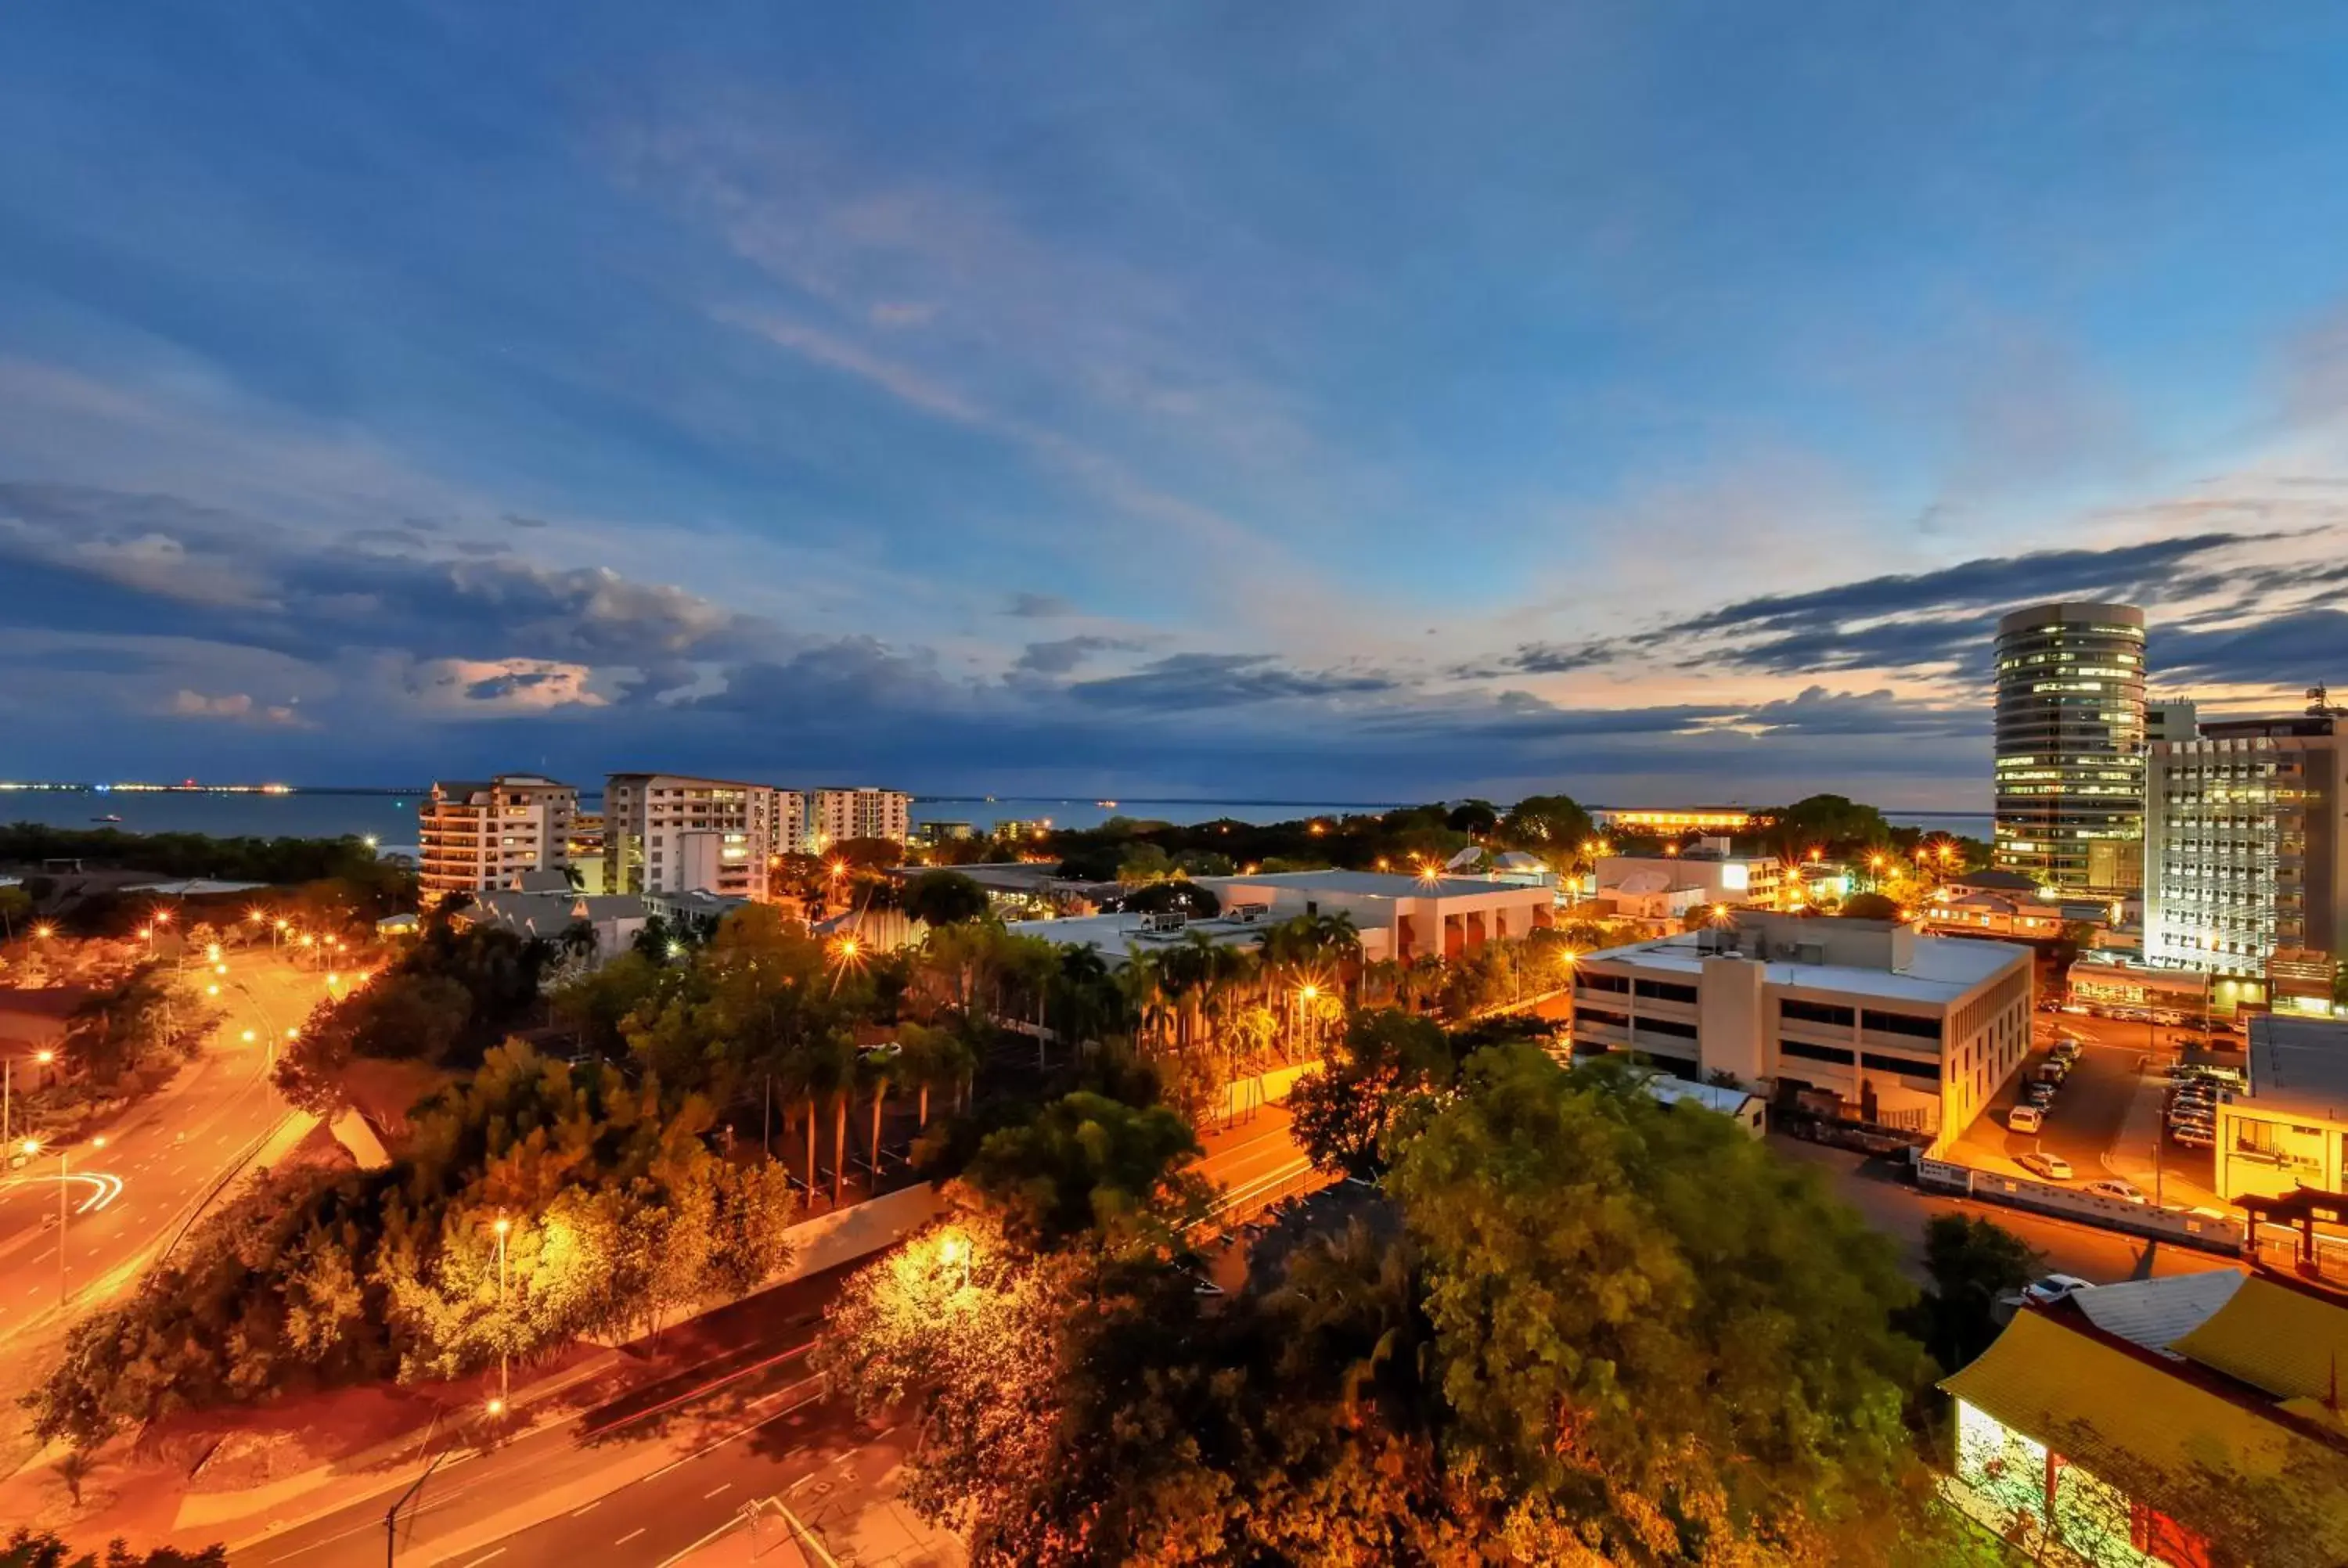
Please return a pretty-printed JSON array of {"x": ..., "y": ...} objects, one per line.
[
  {"x": 833, "y": 815},
  {"x": 476, "y": 836},
  {"x": 1901, "y": 1030},
  {"x": 2246, "y": 849},
  {"x": 668, "y": 833}
]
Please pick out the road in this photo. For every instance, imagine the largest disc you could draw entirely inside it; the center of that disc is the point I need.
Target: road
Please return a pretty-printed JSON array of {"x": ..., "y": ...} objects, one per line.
[
  {"x": 645, "y": 1478},
  {"x": 125, "y": 1199}
]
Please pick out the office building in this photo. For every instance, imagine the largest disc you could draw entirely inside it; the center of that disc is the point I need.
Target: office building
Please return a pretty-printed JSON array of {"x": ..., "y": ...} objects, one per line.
[
  {"x": 2191, "y": 1419},
  {"x": 2171, "y": 719},
  {"x": 473, "y": 835},
  {"x": 1866, "y": 1019},
  {"x": 1669, "y": 821},
  {"x": 666, "y": 833},
  {"x": 2246, "y": 850},
  {"x": 2070, "y": 746},
  {"x": 834, "y": 814},
  {"x": 2287, "y": 1127}
]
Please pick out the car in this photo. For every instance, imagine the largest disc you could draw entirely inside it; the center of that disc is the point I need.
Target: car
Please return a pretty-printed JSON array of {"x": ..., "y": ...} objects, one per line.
[
  {"x": 2046, "y": 1167},
  {"x": 2192, "y": 1113},
  {"x": 2024, "y": 1119},
  {"x": 2193, "y": 1137},
  {"x": 2050, "y": 1073},
  {"x": 2050, "y": 1288},
  {"x": 2115, "y": 1189}
]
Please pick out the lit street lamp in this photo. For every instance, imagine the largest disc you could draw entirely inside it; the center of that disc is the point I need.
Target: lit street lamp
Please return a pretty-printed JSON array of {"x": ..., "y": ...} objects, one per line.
[
  {"x": 8, "y": 1087},
  {"x": 497, "y": 1404},
  {"x": 65, "y": 1180}
]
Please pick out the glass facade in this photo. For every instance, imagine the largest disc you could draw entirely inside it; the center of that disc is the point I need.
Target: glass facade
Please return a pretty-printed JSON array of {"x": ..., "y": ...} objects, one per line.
[{"x": 2070, "y": 746}]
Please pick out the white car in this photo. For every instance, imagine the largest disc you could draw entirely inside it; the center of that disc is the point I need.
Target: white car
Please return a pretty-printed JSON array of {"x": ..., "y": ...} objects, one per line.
[
  {"x": 2045, "y": 1166},
  {"x": 2115, "y": 1189},
  {"x": 2051, "y": 1289}
]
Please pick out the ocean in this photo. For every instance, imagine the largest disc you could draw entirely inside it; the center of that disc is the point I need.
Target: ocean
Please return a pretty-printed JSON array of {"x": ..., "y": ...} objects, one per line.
[{"x": 391, "y": 818}]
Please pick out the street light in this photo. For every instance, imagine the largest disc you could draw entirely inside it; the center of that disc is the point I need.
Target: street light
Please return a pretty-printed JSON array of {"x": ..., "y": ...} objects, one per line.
[
  {"x": 497, "y": 1404},
  {"x": 9, "y": 1086},
  {"x": 65, "y": 1180}
]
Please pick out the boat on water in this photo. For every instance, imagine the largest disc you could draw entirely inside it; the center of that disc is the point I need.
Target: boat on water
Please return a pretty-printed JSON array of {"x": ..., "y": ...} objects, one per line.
[{"x": 109, "y": 816}]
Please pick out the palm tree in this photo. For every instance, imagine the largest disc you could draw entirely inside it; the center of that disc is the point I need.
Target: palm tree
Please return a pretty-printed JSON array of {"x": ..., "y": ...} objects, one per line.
[
  {"x": 880, "y": 1069},
  {"x": 822, "y": 1070},
  {"x": 934, "y": 1059}
]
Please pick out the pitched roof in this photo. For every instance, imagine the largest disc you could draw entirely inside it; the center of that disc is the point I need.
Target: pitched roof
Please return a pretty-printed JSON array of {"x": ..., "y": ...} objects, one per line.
[
  {"x": 2157, "y": 1313},
  {"x": 2289, "y": 1342},
  {"x": 2263, "y": 1483}
]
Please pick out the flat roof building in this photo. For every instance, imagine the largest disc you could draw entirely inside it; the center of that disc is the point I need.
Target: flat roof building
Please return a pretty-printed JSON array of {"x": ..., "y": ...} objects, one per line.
[
  {"x": 1900, "y": 1030},
  {"x": 2287, "y": 1127},
  {"x": 2070, "y": 746},
  {"x": 1398, "y": 916},
  {"x": 477, "y": 834}
]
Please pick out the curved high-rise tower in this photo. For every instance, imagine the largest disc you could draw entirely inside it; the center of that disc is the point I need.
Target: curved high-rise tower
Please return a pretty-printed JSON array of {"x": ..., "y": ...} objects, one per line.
[{"x": 2070, "y": 746}]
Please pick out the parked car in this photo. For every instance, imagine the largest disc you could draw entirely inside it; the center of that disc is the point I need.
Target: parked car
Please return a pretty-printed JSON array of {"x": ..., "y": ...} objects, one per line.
[
  {"x": 2046, "y": 1167},
  {"x": 2194, "y": 1137},
  {"x": 2050, "y": 1288},
  {"x": 2049, "y": 1072},
  {"x": 2024, "y": 1119},
  {"x": 2115, "y": 1189},
  {"x": 2039, "y": 1094}
]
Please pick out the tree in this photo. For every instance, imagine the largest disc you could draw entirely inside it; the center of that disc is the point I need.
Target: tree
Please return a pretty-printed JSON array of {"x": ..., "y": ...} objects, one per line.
[
  {"x": 1339, "y": 1114},
  {"x": 1473, "y": 818},
  {"x": 15, "y": 908},
  {"x": 1175, "y": 895},
  {"x": 945, "y": 898},
  {"x": 1143, "y": 862},
  {"x": 1974, "y": 1265},
  {"x": 1092, "y": 1171},
  {"x": 1833, "y": 823},
  {"x": 1870, "y": 907},
  {"x": 24, "y": 1548},
  {"x": 1653, "y": 1325}
]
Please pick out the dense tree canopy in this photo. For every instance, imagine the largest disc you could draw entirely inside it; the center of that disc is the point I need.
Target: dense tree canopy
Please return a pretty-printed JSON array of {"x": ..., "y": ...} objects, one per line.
[
  {"x": 24, "y": 1549},
  {"x": 945, "y": 898}
]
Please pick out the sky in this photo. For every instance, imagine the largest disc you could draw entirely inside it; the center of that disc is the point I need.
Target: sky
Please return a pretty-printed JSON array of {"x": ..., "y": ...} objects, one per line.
[{"x": 1653, "y": 402}]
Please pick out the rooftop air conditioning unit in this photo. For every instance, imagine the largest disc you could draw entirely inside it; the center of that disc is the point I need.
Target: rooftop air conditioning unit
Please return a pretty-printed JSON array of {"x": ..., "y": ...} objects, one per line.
[{"x": 1165, "y": 920}]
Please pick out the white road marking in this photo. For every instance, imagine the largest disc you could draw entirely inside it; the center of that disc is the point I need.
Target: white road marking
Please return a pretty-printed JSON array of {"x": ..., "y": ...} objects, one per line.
[
  {"x": 589, "y": 1509},
  {"x": 630, "y": 1535},
  {"x": 707, "y": 1495},
  {"x": 476, "y": 1561}
]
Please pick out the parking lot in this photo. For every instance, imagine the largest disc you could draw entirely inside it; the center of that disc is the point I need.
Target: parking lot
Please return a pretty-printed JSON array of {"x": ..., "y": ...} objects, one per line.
[{"x": 2105, "y": 1119}]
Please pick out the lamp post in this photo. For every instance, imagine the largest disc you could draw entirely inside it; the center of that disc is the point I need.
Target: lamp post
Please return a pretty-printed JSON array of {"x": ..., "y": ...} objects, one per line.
[
  {"x": 65, "y": 1180},
  {"x": 499, "y": 1408},
  {"x": 9, "y": 1088}
]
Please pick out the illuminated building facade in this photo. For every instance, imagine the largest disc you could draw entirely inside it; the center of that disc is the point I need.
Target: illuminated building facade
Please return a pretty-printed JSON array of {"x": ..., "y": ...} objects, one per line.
[
  {"x": 2245, "y": 852},
  {"x": 2070, "y": 746},
  {"x": 474, "y": 836},
  {"x": 665, "y": 833}
]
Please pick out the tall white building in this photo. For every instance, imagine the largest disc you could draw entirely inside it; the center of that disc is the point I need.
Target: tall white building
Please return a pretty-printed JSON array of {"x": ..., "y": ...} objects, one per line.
[
  {"x": 833, "y": 815},
  {"x": 2070, "y": 746},
  {"x": 2246, "y": 849},
  {"x": 668, "y": 833},
  {"x": 474, "y": 836}
]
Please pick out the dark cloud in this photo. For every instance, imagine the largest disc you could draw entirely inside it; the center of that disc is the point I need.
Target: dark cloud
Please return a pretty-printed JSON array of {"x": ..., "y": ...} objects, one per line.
[
  {"x": 1026, "y": 606},
  {"x": 1058, "y": 658},
  {"x": 2294, "y": 649},
  {"x": 498, "y": 686},
  {"x": 1184, "y": 681}
]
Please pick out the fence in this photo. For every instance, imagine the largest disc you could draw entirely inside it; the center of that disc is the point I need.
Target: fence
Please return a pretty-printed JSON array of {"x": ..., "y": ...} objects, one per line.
[
  {"x": 2210, "y": 1230},
  {"x": 1259, "y": 1197}
]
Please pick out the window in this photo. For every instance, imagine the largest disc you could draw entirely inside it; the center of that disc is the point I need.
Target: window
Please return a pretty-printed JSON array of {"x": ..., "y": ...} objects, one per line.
[
  {"x": 1667, "y": 1026},
  {"x": 1814, "y": 1052},
  {"x": 1906, "y": 1023},
  {"x": 1616, "y": 983},
  {"x": 1930, "y": 1071},
  {"x": 1600, "y": 1015},
  {"x": 1665, "y": 992},
  {"x": 1816, "y": 1012}
]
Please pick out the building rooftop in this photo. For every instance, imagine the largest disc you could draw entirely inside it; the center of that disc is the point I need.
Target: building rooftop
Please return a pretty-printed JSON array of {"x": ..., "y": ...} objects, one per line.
[
  {"x": 1941, "y": 969},
  {"x": 2298, "y": 1064},
  {"x": 1373, "y": 884},
  {"x": 1113, "y": 936},
  {"x": 2157, "y": 1313},
  {"x": 1711, "y": 1096}
]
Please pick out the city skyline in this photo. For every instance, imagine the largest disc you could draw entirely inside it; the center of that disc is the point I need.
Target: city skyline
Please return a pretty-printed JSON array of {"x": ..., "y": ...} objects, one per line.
[{"x": 1298, "y": 406}]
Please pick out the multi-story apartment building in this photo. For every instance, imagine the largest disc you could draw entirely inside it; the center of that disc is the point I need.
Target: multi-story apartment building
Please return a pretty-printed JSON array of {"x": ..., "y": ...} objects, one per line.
[
  {"x": 474, "y": 836},
  {"x": 667, "y": 832},
  {"x": 586, "y": 848},
  {"x": 2070, "y": 746},
  {"x": 1893, "y": 1027},
  {"x": 833, "y": 815},
  {"x": 2246, "y": 849}
]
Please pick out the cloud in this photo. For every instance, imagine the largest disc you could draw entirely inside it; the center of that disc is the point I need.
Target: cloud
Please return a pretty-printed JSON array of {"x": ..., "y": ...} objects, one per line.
[
  {"x": 1058, "y": 658},
  {"x": 236, "y": 706},
  {"x": 475, "y": 687},
  {"x": 1028, "y": 605},
  {"x": 2300, "y": 649},
  {"x": 1209, "y": 681}
]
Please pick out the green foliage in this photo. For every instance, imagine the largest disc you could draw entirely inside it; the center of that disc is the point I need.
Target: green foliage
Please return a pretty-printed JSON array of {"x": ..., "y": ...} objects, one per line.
[
  {"x": 15, "y": 908},
  {"x": 1173, "y": 894},
  {"x": 278, "y": 861},
  {"x": 618, "y": 1214},
  {"x": 945, "y": 898},
  {"x": 1973, "y": 1264},
  {"x": 24, "y": 1549},
  {"x": 1340, "y": 1115},
  {"x": 133, "y": 1030},
  {"x": 1554, "y": 826},
  {"x": 1834, "y": 824},
  {"x": 1474, "y": 817},
  {"x": 1870, "y": 907},
  {"x": 1092, "y": 1171},
  {"x": 1647, "y": 1321},
  {"x": 450, "y": 995}
]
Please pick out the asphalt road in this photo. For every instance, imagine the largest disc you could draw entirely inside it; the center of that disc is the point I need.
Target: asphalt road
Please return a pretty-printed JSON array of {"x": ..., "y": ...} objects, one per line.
[{"x": 123, "y": 1200}]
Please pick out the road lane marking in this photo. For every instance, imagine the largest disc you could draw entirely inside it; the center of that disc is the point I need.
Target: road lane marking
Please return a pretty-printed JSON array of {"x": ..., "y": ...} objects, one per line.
[
  {"x": 630, "y": 1535},
  {"x": 589, "y": 1509},
  {"x": 707, "y": 1495},
  {"x": 476, "y": 1561}
]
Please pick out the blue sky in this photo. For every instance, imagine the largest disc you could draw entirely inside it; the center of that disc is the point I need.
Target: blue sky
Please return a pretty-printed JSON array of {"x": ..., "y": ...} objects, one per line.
[{"x": 1639, "y": 400}]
